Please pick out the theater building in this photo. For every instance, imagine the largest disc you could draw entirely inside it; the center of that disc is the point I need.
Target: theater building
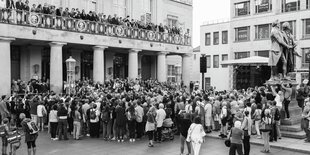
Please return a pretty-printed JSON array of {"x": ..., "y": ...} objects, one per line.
[
  {"x": 249, "y": 36},
  {"x": 36, "y": 46}
]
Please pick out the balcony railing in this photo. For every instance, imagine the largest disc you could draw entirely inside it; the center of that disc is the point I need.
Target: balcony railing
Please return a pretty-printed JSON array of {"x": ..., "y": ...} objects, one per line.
[{"x": 25, "y": 18}]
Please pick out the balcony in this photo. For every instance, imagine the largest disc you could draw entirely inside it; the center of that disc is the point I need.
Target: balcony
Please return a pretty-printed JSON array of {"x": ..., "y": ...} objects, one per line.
[{"x": 45, "y": 21}]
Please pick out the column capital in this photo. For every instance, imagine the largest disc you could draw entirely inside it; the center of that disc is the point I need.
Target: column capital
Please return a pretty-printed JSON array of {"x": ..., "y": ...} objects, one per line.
[
  {"x": 162, "y": 53},
  {"x": 57, "y": 44},
  {"x": 6, "y": 39},
  {"x": 134, "y": 50},
  {"x": 187, "y": 54},
  {"x": 100, "y": 47}
]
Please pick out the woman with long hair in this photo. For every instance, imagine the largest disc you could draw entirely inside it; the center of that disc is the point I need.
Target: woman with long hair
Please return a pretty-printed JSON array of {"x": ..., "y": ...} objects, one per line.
[
  {"x": 196, "y": 135},
  {"x": 266, "y": 128},
  {"x": 131, "y": 116},
  {"x": 150, "y": 125}
]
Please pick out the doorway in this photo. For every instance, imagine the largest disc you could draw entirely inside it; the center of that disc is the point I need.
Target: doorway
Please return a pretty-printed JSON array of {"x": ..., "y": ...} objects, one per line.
[{"x": 120, "y": 65}]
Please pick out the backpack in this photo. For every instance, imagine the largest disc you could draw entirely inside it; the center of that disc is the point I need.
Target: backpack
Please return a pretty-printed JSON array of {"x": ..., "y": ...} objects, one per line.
[
  {"x": 92, "y": 114},
  {"x": 33, "y": 128}
]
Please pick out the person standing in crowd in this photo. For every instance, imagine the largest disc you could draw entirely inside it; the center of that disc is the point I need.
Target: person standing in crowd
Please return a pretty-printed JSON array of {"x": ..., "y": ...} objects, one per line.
[
  {"x": 275, "y": 115},
  {"x": 223, "y": 120},
  {"x": 120, "y": 121},
  {"x": 3, "y": 108},
  {"x": 5, "y": 136},
  {"x": 85, "y": 108},
  {"x": 34, "y": 109},
  {"x": 75, "y": 114},
  {"x": 41, "y": 112},
  {"x": 132, "y": 116},
  {"x": 257, "y": 119},
  {"x": 185, "y": 124},
  {"x": 53, "y": 122},
  {"x": 196, "y": 135},
  {"x": 30, "y": 139},
  {"x": 287, "y": 93},
  {"x": 106, "y": 117},
  {"x": 246, "y": 127},
  {"x": 150, "y": 126},
  {"x": 177, "y": 108},
  {"x": 94, "y": 114},
  {"x": 236, "y": 135},
  {"x": 62, "y": 115},
  {"x": 305, "y": 120},
  {"x": 266, "y": 127},
  {"x": 160, "y": 116},
  {"x": 208, "y": 115},
  {"x": 139, "y": 119}
]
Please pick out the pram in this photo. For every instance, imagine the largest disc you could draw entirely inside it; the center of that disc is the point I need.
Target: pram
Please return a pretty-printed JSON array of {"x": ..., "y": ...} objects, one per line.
[{"x": 167, "y": 132}]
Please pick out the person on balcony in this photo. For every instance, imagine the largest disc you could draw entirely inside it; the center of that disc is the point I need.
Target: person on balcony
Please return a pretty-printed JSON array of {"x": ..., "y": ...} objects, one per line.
[
  {"x": 10, "y": 4},
  {"x": 114, "y": 20},
  {"x": 34, "y": 7},
  {"x": 46, "y": 9},
  {"x": 39, "y": 9},
  {"x": 26, "y": 6},
  {"x": 19, "y": 5}
]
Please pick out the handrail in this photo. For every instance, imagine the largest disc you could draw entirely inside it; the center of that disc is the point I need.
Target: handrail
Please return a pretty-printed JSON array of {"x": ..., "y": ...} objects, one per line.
[{"x": 26, "y": 18}]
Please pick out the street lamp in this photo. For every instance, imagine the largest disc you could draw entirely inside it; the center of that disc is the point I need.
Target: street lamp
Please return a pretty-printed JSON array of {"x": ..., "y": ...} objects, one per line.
[{"x": 70, "y": 63}]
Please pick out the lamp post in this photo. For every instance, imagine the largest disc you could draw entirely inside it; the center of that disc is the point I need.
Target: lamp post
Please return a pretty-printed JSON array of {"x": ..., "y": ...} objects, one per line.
[{"x": 70, "y": 63}]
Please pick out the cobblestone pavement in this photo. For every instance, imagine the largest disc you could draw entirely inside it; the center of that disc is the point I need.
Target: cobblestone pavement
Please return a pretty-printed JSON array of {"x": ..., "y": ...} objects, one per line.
[{"x": 89, "y": 146}]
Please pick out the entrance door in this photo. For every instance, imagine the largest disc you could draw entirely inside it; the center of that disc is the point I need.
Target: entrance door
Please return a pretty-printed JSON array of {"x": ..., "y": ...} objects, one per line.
[
  {"x": 45, "y": 64},
  {"x": 120, "y": 63},
  {"x": 87, "y": 65},
  {"x": 146, "y": 67},
  {"x": 15, "y": 62}
]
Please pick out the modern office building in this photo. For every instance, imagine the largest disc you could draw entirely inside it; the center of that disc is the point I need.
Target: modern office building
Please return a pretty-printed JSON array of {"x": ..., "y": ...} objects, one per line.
[
  {"x": 36, "y": 45},
  {"x": 248, "y": 35}
]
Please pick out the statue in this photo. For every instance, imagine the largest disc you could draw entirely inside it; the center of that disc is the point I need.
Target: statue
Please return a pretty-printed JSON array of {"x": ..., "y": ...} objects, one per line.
[{"x": 277, "y": 56}]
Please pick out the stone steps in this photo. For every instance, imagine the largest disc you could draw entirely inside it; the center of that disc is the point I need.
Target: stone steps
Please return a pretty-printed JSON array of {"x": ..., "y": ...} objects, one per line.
[
  {"x": 291, "y": 128},
  {"x": 293, "y": 121},
  {"x": 296, "y": 135}
]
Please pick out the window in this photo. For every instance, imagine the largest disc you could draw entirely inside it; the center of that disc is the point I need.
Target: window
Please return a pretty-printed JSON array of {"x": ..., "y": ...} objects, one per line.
[
  {"x": 224, "y": 58},
  {"x": 304, "y": 64},
  {"x": 293, "y": 26},
  {"x": 208, "y": 57},
  {"x": 215, "y": 38},
  {"x": 290, "y": 5},
  {"x": 224, "y": 37},
  {"x": 242, "y": 34},
  {"x": 308, "y": 4},
  {"x": 207, "y": 39},
  {"x": 264, "y": 53},
  {"x": 216, "y": 61},
  {"x": 306, "y": 28},
  {"x": 194, "y": 56},
  {"x": 263, "y": 6},
  {"x": 262, "y": 31},
  {"x": 242, "y": 8},
  {"x": 170, "y": 70},
  {"x": 208, "y": 83},
  {"x": 240, "y": 55},
  {"x": 119, "y": 8},
  {"x": 172, "y": 20}
]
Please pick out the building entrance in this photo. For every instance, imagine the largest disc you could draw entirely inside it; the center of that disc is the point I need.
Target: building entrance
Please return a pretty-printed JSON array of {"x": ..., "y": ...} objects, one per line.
[
  {"x": 87, "y": 65},
  {"x": 120, "y": 65}
]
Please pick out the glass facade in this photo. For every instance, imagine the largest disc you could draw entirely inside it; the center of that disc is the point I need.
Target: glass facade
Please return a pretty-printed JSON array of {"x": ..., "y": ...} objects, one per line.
[
  {"x": 306, "y": 29},
  {"x": 216, "y": 38},
  {"x": 216, "y": 61},
  {"x": 242, "y": 8},
  {"x": 263, "y": 6},
  {"x": 240, "y": 55},
  {"x": 290, "y": 5},
  {"x": 242, "y": 34},
  {"x": 224, "y": 37},
  {"x": 262, "y": 31},
  {"x": 207, "y": 39}
]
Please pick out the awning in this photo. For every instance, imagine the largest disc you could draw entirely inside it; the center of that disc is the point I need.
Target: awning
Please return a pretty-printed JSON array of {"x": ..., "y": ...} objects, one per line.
[{"x": 254, "y": 60}]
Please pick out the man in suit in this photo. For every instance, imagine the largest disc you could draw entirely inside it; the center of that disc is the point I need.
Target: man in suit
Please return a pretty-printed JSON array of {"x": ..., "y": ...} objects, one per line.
[
  {"x": 19, "y": 5},
  {"x": 276, "y": 51}
]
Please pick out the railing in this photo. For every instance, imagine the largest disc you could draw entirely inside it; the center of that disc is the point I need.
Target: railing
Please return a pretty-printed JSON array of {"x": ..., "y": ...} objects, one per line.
[{"x": 25, "y": 18}]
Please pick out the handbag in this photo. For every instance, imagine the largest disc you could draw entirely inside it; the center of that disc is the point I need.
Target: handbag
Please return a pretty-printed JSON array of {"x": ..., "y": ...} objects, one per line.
[{"x": 227, "y": 142}]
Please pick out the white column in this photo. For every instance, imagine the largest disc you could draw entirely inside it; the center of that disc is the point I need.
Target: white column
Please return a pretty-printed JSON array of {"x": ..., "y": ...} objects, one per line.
[
  {"x": 56, "y": 80},
  {"x": 133, "y": 63},
  {"x": 161, "y": 67},
  {"x": 5, "y": 63},
  {"x": 98, "y": 73},
  {"x": 186, "y": 69}
]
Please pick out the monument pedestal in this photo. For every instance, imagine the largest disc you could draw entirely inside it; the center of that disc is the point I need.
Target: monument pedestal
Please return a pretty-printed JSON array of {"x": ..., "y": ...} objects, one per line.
[{"x": 291, "y": 128}]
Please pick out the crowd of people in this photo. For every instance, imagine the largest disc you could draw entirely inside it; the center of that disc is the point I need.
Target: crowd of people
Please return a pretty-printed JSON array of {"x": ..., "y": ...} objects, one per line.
[
  {"x": 77, "y": 13},
  {"x": 121, "y": 110}
]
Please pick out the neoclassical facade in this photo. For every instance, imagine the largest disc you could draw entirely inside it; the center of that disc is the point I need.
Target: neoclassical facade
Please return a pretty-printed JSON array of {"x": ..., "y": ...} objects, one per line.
[{"x": 35, "y": 46}]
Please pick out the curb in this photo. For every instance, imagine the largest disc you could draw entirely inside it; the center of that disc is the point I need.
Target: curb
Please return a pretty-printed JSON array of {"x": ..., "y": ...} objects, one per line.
[{"x": 272, "y": 146}]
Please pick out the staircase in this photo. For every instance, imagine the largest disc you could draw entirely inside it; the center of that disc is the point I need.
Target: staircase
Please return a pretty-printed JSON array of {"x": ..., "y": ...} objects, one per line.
[{"x": 291, "y": 128}]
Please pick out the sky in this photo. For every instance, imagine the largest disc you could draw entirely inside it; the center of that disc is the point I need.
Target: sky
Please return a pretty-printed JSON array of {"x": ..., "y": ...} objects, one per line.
[{"x": 208, "y": 10}]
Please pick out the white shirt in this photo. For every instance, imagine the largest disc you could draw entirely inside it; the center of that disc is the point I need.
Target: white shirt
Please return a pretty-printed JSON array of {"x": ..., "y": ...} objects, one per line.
[
  {"x": 97, "y": 116},
  {"x": 278, "y": 100},
  {"x": 188, "y": 108},
  {"x": 140, "y": 114},
  {"x": 53, "y": 116},
  {"x": 160, "y": 116},
  {"x": 40, "y": 109}
]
